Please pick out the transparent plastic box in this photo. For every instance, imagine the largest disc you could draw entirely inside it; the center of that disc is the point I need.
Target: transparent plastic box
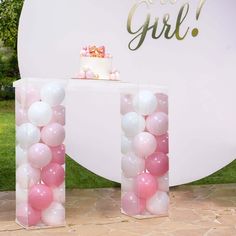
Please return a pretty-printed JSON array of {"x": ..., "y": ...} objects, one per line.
[
  {"x": 40, "y": 152},
  {"x": 144, "y": 148}
]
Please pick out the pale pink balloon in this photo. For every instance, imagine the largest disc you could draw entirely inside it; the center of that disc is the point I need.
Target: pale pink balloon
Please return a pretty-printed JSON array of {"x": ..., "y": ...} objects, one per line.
[
  {"x": 90, "y": 74},
  {"x": 112, "y": 76},
  {"x": 39, "y": 155},
  {"x": 58, "y": 154},
  {"x": 21, "y": 115},
  {"x": 27, "y": 95},
  {"x": 157, "y": 164},
  {"x": 40, "y": 196},
  {"x": 163, "y": 143},
  {"x": 162, "y": 100},
  {"x": 144, "y": 144},
  {"x": 157, "y": 123},
  {"x": 53, "y": 134},
  {"x": 53, "y": 175},
  {"x": 126, "y": 103},
  {"x": 83, "y": 52},
  {"x": 145, "y": 185},
  {"x": 58, "y": 115},
  {"x": 26, "y": 215},
  {"x": 81, "y": 75},
  {"x": 132, "y": 205}
]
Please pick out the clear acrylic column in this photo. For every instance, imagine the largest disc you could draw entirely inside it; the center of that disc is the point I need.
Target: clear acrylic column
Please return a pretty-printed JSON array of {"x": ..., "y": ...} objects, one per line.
[
  {"x": 40, "y": 152},
  {"x": 144, "y": 147}
]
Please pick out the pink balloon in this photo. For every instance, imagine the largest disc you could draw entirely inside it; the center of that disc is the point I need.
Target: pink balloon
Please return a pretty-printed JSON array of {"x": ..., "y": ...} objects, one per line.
[
  {"x": 39, "y": 155},
  {"x": 58, "y": 154},
  {"x": 21, "y": 115},
  {"x": 81, "y": 75},
  {"x": 157, "y": 123},
  {"x": 144, "y": 144},
  {"x": 26, "y": 215},
  {"x": 53, "y": 175},
  {"x": 157, "y": 164},
  {"x": 162, "y": 100},
  {"x": 90, "y": 74},
  {"x": 53, "y": 134},
  {"x": 58, "y": 115},
  {"x": 126, "y": 103},
  {"x": 163, "y": 143},
  {"x": 132, "y": 205},
  {"x": 145, "y": 185},
  {"x": 40, "y": 196},
  {"x": 27, "y": 95}
]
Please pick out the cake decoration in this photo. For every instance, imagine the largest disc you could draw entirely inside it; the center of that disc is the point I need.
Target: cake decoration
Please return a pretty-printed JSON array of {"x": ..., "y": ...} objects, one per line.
[
  {"x": 86, "y": 73},
  {"x": 96, "y": 63},
  {"x": 115, "y": 75},
  {"x": 93, "y": 51}
]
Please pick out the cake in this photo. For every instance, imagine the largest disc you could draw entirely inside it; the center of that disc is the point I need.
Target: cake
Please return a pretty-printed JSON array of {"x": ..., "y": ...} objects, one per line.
[{"x": 95, "y": 63}]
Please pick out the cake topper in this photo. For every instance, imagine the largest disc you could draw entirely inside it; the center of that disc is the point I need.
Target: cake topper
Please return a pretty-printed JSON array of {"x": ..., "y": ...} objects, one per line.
[{"x": 94, "y": 51}]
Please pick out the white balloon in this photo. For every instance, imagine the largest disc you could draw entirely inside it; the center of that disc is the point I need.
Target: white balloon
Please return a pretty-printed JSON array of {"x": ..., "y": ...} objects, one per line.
[
  {"x": 145, "y": 102},
  {"x": 21, "y": 194},
  {"x": 27, "y": 176},
  {"x": 163, "y": 182},
  {"x": 39, "y": 155},
  {"x": 127, "y": 184},
  {"x": 132, "y": 165},
  {"x": 40, "y": 114},
  {"x": 54, "y": 215},
  {"x": 21, "y": 156},
  {"x": 132, "y": 124},
  {"x": 126, "y": 144},
  {"x": 59, "y": 193},
  {"x": 27, "y": 135},
  {"x": 53, "y": 94},
  {"x": 158, "y": 204}
]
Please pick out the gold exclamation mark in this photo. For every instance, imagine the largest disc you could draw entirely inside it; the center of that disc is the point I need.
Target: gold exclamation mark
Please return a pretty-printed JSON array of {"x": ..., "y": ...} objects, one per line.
[{"x": 195, "y": 31}]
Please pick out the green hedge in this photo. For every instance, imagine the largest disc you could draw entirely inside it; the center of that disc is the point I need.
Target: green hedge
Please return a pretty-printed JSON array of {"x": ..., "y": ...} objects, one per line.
[{"x": 7, "y": 91}]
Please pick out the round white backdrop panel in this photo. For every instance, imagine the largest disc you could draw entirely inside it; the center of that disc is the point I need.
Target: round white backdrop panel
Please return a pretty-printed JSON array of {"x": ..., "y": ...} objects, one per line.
[{"x": 199, "y": 71}]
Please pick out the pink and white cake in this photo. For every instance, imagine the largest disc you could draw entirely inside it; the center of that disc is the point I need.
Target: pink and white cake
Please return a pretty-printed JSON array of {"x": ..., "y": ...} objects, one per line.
[{"x": 95, "y": 63}]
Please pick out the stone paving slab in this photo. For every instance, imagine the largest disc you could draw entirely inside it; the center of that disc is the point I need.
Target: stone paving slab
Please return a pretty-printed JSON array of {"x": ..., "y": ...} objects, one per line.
[{"x": 195, "y": 211}]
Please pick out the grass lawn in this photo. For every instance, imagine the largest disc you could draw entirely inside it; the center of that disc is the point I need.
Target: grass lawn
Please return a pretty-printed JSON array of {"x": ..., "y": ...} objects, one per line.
[{"x": 77, "y": 176}]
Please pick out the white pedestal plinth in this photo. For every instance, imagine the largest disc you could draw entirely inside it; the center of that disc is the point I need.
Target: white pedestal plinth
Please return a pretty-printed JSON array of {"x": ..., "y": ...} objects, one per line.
[{"x": 93, "y": 126}]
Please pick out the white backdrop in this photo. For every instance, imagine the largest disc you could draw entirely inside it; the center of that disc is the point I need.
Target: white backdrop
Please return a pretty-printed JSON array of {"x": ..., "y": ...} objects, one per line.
[{"x": 199, "y": 71}]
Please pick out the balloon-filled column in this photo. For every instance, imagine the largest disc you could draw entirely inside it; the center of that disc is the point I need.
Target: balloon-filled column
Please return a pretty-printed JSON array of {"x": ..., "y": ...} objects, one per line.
[
  {"x": 40, "y": 153},
  {"x": 144, "y": 146}
]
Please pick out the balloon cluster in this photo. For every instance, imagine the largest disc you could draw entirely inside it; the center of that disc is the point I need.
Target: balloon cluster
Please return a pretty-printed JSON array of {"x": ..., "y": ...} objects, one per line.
[
  {"x": 145, "y": 162},
  {"x": 40, "y": 154}
]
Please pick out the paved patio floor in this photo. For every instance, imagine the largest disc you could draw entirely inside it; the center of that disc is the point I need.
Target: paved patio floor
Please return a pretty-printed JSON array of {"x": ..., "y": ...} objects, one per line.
[{"x": 195, "y": 210}]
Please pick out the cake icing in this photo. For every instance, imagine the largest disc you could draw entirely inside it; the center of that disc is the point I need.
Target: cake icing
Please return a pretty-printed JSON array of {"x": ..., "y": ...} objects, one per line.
[{"x": 101, "y": 67}]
